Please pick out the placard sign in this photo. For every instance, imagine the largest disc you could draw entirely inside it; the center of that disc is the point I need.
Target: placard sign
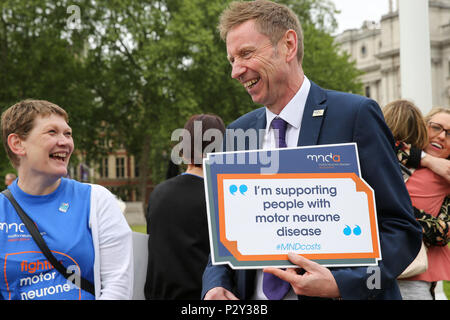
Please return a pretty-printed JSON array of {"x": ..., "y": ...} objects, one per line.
[{"x": 312, "y": 202}]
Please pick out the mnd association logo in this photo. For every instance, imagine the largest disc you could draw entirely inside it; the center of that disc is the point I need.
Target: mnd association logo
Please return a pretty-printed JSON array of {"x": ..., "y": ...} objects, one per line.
[
  {"x": 324, "y": 158},
  {"x": 12, "y": 227},
  {"x": 14, "y": 231},
  {"x": 327, "y": 160}
]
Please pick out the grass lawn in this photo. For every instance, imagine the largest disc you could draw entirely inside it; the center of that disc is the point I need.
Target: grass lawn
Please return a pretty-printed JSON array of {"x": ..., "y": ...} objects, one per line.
[
  {"x": 446, "y": 285},
  {"x": 140, "y": 228},
  {"x": 447, "y": 289}
]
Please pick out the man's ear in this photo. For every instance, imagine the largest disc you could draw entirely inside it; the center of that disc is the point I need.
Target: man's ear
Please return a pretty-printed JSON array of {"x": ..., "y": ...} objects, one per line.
[
  {"x": 15, "y": 144},
  {"x": 290, "y": 43}
]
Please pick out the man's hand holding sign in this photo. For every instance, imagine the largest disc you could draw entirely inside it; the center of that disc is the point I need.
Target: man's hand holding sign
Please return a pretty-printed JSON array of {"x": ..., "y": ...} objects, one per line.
[{"x": 311, "y": 280}]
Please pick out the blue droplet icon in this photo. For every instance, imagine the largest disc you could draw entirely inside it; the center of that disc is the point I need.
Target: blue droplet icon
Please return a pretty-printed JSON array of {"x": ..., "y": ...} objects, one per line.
[
  {"x": 357, "y": 230},
  {"x": 347, "y": 231},
  {"x": 243, "y": 189},
  {"x": 233, "y": 189}
]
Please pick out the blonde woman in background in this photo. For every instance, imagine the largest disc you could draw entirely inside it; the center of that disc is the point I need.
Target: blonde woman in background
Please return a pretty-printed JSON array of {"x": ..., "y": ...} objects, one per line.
[{"x": 428, "y": 190}]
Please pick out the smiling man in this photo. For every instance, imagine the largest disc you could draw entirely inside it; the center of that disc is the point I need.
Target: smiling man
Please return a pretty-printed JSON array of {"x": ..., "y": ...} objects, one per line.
[
  {"x": 265, "y": 49},
  {"x": 261, "y": 66}
]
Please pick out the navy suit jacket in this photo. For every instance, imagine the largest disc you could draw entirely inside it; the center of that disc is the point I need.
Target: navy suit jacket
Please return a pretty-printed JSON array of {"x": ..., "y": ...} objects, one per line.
[{"x": 348, "y": 118}]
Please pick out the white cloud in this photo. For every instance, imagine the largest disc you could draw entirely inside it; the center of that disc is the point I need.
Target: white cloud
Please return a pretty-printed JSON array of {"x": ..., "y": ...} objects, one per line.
[{"x": 355, "y": 12}]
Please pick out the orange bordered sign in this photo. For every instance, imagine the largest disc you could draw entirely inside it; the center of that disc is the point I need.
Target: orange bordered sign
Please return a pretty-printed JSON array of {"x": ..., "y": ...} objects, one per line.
[{"x": 322, "y": 210}]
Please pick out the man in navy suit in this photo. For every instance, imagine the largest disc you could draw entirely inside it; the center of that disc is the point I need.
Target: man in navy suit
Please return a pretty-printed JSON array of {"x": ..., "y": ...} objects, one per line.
[{"x": 265, "y": 48}]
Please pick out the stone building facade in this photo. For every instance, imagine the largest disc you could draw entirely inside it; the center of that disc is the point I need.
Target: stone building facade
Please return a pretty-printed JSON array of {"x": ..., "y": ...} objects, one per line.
[{"x": 376, "y": 49}]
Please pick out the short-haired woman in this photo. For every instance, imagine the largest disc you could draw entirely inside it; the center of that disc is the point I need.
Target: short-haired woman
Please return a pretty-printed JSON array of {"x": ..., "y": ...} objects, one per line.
[{"x": 81, "y": 224}]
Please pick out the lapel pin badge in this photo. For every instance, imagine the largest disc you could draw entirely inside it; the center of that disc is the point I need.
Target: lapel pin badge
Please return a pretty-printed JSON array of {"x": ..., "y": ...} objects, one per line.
[
  {"x": 64, "y": 207},
  {"x": 318, "y": 113}
]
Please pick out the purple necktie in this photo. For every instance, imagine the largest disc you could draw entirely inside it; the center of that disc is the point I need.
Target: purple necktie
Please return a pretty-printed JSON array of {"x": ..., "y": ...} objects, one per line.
[
  {"x": 280, "y": 127},
  {"x": 273, "y": 287}
]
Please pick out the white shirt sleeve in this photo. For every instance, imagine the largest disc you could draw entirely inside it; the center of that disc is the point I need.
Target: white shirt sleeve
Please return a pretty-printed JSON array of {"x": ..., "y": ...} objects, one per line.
[{"x": 113, "y": 245}]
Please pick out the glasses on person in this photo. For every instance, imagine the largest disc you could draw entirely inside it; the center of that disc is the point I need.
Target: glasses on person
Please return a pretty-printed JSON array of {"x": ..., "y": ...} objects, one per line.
[{"x": 436, "y": 129}]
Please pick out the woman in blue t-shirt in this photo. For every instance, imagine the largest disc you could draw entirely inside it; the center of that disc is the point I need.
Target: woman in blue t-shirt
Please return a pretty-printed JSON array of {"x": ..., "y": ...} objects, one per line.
[{"x": 81, "y": 223}]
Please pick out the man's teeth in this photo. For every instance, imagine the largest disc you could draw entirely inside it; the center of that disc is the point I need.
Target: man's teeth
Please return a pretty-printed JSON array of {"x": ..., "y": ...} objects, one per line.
[{"x": 250, "y": 83}]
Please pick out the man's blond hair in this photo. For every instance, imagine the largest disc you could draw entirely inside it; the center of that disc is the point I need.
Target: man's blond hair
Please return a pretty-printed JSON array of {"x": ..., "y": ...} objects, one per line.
[{"x": 271, "y": 19}]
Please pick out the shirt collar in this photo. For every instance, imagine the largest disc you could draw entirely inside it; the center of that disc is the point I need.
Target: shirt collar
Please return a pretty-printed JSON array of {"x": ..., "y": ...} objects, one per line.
[{"x": 292, "y": 113}]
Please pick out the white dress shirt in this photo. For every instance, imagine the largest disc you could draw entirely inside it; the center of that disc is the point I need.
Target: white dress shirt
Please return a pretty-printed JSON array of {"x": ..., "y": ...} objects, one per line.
[{"x": 292, "y": 113}]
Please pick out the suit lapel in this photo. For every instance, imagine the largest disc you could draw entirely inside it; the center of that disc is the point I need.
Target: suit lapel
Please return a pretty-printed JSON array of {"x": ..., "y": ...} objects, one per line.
[{"x": 315, "y": 109}]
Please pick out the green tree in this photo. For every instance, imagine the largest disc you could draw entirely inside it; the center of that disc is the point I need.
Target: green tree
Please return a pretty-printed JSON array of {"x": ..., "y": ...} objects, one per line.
[
  {"x": 42, "y": 58},
  {"x": 136, "y": 70},
  {"x": 323, "y": 63},
  {"x": 159, "y": 62}
]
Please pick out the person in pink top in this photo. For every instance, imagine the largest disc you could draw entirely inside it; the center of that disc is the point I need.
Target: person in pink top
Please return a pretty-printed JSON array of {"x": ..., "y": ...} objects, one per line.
[{"x": 430, "y": 193}]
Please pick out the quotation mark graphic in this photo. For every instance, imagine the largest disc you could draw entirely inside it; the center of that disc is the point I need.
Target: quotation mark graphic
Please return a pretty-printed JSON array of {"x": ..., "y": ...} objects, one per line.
[
  {"x": 242, "y": 189},
  {"x": 356, "y": 230}
]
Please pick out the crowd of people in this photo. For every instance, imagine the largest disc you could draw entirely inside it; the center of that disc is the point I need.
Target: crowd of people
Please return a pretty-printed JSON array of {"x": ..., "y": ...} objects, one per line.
[{"x": 403, "y": 156}]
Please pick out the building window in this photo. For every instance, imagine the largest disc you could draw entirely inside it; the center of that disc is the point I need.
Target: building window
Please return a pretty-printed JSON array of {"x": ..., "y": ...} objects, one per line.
[
  {"x": 104, "y": 172},
  {"x": 136, "y": 169},
  {"x": 363, "y": 51},
  {"x": 367, "y": 91},
  {"x": 84, "y": 172},
  {"x": 74, "y": 172},
  {"x": 120, "y": 167}
]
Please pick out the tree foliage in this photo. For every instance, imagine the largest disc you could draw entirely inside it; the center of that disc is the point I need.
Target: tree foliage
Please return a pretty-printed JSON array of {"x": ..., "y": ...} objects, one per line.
[
  {"x": 136, "y": 70},
  {"x": 41, "y": 58}
]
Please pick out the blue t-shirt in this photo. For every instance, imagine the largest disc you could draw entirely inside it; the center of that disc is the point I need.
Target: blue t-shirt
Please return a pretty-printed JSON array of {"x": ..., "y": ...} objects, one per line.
[{"x": 62, "y": 217}]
